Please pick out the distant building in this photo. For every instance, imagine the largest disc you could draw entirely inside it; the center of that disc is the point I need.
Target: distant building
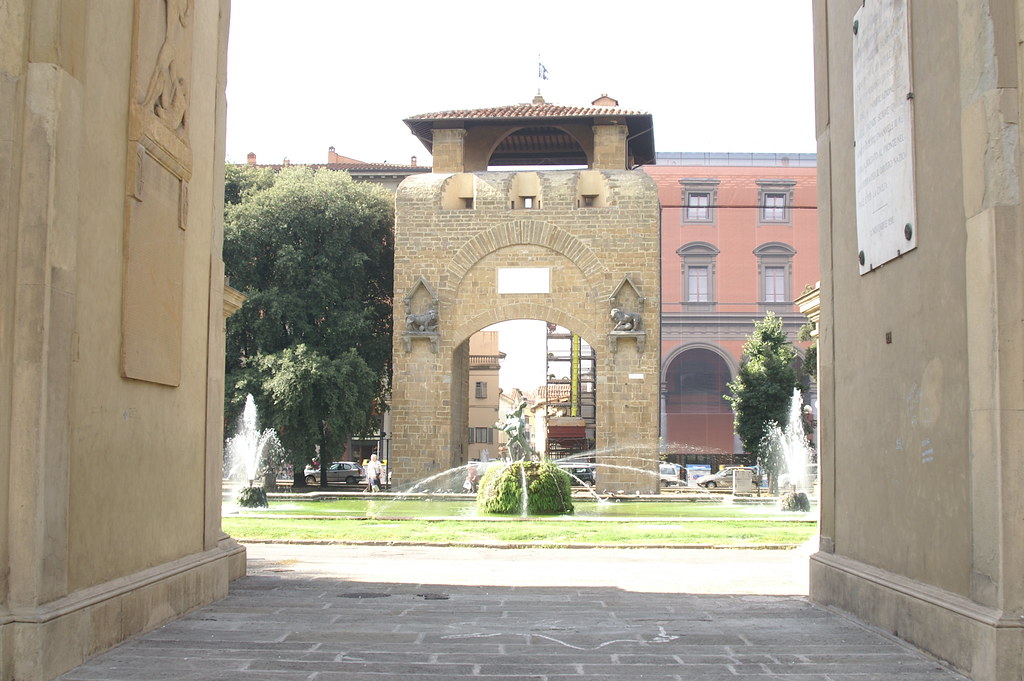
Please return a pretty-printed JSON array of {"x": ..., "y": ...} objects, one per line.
[
  {"x": 739, "y": 238},
  {"x": 386, "y": 174},
  {"x": 484, "y": 395}
]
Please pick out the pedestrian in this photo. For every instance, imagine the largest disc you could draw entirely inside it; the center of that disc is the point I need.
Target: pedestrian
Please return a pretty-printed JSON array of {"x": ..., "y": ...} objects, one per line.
[
  {"x": 472, "y": 477},
  {"x": 373, "y": 474}
]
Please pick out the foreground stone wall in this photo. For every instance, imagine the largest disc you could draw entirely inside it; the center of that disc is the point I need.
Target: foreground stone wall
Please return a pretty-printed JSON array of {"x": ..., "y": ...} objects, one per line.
[
  {"x": 447, "y": 259},
  {"x": 921, "y": 378},
  {"x": 111, "y": 336}
]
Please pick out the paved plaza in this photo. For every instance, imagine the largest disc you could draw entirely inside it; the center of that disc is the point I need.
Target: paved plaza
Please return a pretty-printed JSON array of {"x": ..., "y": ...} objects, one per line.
[{"x": 382, "y": 613}]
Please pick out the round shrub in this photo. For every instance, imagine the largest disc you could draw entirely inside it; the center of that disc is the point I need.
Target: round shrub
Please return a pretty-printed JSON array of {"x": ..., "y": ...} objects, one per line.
[
  {"x": 253, "y": 497},
  {"x": 795, "y": 501},
  {"x": 549, "y": 489}
]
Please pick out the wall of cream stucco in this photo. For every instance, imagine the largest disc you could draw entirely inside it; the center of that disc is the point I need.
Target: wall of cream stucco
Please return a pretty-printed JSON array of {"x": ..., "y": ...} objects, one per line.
[
  {"x": 111, "y": 519},
  {"x": 900, "y": 493},
  {"x": 138, "y": 449}
]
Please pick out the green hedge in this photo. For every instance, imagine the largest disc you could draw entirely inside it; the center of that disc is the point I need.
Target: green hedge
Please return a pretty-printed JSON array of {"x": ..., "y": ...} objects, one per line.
[
  {"x": 253, "y": 497},
  {"x": 549, "y": 489},
  {"x": 795, "y": 501}
]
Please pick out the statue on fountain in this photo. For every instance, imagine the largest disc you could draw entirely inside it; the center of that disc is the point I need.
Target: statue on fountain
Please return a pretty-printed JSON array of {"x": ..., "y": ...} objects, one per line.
[
  {"x": 526, "y": 485},
  {"x": 514, "y": 425}
]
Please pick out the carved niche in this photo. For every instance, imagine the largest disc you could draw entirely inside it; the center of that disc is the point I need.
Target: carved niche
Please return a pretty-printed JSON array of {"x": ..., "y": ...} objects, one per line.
[
  {"x": 156, "y": 205},
  {"x": 421, "y": 315},
  {"x": 626, "y": 315}
]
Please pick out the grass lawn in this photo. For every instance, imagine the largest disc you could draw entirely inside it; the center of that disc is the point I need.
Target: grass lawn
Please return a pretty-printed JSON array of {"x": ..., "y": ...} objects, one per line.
[
  {"x": 624, "y": 532},
  {"x": 390, "y": 507}
]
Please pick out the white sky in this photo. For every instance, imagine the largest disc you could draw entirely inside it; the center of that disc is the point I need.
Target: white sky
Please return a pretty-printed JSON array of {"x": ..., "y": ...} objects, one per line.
[{"x": 716, "y": 75}]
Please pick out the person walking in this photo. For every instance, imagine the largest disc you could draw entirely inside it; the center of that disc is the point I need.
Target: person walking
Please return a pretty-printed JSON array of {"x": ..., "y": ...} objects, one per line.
[
  {"x": 472, "y": 479},
  {"x": 374, "y": 472}
]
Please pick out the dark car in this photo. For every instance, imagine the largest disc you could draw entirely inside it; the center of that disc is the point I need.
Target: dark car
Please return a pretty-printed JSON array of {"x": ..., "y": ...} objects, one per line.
[
  {"x": 339, "y": 471},
  {"x": 581, "y": 473}
]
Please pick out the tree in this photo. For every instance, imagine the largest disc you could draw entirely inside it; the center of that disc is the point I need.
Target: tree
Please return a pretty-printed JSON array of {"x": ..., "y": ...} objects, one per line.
[
  {"x": 314, "y": 254},
  {"x": 763, "y": 390},
  {"x": 241, "y": 181}
]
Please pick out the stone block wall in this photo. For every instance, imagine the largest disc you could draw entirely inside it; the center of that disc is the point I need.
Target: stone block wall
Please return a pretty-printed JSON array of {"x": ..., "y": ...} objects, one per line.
[{"x": 592, "y": 255}]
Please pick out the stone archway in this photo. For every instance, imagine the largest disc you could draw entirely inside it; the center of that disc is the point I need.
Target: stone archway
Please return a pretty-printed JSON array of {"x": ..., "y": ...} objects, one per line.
[{"x": 464, "y": 269}]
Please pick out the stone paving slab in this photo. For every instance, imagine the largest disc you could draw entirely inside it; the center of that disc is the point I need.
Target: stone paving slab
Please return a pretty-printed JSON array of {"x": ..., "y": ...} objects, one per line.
[{"x": 326, "y": 614}]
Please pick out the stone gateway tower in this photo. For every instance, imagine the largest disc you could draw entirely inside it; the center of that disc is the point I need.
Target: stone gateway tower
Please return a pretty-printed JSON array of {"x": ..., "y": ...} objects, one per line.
[{"x": 578, "y": 248}]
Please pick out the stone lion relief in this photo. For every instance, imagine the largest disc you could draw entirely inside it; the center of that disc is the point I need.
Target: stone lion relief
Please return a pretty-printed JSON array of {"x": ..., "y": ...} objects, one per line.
[{"x": 625, "y": 321}]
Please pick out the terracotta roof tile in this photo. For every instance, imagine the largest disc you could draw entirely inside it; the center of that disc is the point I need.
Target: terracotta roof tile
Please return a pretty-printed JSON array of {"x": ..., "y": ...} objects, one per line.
[
  {"x": 382, "y": 167},
  {"x": 542, "y": 110}
]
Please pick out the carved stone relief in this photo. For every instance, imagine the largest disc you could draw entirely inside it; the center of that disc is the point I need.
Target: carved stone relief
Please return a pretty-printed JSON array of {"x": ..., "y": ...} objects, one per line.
[
  {"x": 627, "y": 305},
  {"x": 159, "y": 167},
  {"x": 421, "y": 315}
]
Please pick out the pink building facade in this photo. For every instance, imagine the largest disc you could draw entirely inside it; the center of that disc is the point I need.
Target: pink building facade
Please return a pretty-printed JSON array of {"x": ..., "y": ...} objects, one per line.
[{"x": 739, "y": 238}]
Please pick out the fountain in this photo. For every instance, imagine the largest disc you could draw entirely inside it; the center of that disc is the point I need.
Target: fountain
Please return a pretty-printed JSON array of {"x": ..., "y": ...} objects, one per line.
[
  {"x": 789, "y": 446},
  {"x": 243, "y": 455},
  {"x": 524, "y": 485}
]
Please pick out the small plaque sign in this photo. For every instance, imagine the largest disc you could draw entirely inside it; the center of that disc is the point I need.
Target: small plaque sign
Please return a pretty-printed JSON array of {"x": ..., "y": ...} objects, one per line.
[
  {"x": 883, "y": 133},
  {"x": 524, "y": 280}
]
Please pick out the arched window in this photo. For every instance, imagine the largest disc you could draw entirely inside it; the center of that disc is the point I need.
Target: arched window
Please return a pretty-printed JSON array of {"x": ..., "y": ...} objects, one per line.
[
  {"x": 775, "y": 276},
  {"x": 697, "y": 260}
]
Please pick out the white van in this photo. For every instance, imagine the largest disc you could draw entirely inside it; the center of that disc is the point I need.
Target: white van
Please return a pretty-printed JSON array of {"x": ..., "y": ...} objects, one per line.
[{"x": 672, "y": 474}]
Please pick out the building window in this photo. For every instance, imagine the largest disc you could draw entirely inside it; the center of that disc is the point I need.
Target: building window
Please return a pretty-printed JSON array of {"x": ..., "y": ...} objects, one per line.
[
  {"x": 774, "y": 207},
  {"x": 699, "y": 198},
  {"x": 482, "y": 436},
  {"x": 697, "y": 284},
  {"x": 698, "y": 207},
  {"x": 774, "y": 284},
  {"x": 697, "y": 260},
  {"x": 775, "y": 276},
  {"x": 481, "y": 390},
  {"x": 775, "y": 201}
]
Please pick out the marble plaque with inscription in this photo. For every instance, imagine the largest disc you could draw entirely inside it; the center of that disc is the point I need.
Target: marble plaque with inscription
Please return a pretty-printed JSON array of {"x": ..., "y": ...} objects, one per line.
[{"x": 883, "y": 133}]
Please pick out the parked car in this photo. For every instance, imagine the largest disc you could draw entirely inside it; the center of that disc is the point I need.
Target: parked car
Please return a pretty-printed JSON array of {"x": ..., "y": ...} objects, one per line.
[
  {"x": 582, "y": 473},
  {"x": 672, "y": 474},
  {"x": 339, "y": 471},
  {"x": 786, "y": 481},
  {"x": 723, "y": 478}
]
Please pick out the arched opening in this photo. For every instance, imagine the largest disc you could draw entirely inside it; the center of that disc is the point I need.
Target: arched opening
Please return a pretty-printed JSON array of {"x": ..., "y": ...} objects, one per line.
[
  {"x": 699, "y": 420},
  {"x": 549, "y": 366},
  {"x": 538, "y": 146}
]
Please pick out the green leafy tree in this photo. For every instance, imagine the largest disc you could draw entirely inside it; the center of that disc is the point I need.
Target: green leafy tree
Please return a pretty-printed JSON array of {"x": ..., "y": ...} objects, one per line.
[
  {"x": 763, "y": 390},
  {"x": 314, "y": 254},
  {"x": 810, "y": 363},
  {"x": 240, "y": 181}
]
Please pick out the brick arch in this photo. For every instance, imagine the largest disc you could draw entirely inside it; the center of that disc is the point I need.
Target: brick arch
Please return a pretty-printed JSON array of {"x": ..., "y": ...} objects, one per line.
[
  {"x": 524, "y": 232},
  {"x": 547, "y": 313}
]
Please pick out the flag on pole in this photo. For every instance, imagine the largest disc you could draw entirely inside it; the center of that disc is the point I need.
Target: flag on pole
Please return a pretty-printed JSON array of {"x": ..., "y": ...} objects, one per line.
[{"x": 542, "y": 71}]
